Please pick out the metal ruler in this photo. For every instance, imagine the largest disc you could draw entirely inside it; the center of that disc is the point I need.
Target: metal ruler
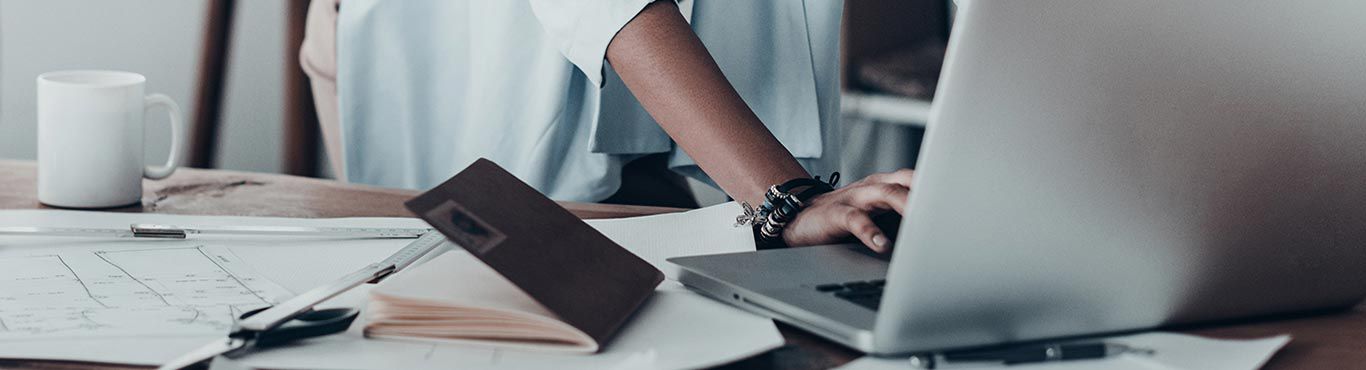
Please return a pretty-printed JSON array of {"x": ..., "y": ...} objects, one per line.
[
  {"x": 372, "y": 273},
  {"x": 181, "y": 232}
]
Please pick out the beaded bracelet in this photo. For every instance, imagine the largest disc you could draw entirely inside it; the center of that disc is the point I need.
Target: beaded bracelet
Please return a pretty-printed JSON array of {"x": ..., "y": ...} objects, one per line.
[{"x": 781, "y": 205}]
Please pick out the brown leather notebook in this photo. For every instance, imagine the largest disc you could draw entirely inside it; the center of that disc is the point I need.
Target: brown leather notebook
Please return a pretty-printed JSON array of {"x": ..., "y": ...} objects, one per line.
[{"x": 575, "y": 272}]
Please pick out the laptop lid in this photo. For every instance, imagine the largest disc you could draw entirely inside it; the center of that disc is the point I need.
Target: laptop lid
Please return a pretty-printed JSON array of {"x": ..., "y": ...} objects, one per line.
[{"x": 1106, "y": 165}]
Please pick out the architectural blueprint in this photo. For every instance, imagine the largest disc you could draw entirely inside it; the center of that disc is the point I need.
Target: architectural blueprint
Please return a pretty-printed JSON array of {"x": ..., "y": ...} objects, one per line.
[{"x": 158, "y": 290}]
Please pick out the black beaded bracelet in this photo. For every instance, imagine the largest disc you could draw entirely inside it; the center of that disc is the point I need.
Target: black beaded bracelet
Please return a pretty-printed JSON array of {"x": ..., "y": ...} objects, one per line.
[{"x": 781, "y": 206}]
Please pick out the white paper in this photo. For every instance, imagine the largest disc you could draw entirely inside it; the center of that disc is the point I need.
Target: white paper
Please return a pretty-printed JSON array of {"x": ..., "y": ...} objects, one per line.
[
  {"x": 1173, "y": 352},
  {"x": 702, "y": 231},
  {"x": 296, "y": 264},
  {"x": 127, "y": 289},
  {"x": 675, "y": 329}
]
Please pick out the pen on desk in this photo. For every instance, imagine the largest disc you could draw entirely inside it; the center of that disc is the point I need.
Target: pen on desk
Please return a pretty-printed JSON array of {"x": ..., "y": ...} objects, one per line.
[{"x": 1025, "y": 355}]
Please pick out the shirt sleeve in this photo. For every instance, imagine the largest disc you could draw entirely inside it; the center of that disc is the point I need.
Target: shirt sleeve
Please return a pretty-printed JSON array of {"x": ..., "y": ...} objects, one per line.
[{"x": 581, "y": 29}]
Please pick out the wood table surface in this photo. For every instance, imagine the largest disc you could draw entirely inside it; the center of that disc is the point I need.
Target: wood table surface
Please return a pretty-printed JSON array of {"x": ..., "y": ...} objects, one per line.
[{"x": 1334, "y": 340}]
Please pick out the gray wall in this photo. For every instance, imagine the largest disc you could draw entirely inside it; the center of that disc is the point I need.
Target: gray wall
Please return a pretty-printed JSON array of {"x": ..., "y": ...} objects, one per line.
[{"x": 159, "y": 39}]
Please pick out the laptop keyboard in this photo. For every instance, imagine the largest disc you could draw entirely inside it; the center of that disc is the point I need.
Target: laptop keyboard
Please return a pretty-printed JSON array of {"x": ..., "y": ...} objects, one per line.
[{"x": 863, "y": 293}]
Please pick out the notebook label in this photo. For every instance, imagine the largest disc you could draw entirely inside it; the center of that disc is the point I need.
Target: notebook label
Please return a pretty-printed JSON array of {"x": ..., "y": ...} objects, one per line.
[{"x": 464, "y": 228}]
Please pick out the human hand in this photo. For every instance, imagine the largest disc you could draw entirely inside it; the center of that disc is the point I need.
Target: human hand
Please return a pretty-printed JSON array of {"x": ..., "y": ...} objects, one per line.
[{"x": 833, "y": 217}]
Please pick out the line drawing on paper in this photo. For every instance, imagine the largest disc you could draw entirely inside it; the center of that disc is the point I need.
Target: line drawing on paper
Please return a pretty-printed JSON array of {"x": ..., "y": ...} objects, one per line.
[{"x": 194, "y": 290}]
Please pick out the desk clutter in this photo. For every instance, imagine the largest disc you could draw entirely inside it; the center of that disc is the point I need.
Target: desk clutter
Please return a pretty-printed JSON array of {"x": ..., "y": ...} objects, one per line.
[
  {"x": 524, "y": 285},
  {"x": 1169, "y": 351},
  {"x": 207, "y": 280}
]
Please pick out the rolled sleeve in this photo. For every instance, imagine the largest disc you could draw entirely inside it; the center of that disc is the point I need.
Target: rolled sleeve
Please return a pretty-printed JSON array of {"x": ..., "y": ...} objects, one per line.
[{"x": 582, "y": 29}]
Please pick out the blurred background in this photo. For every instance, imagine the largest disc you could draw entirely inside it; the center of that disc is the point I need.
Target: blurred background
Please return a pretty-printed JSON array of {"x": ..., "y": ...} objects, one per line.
[{"x": 232, "y": 65}]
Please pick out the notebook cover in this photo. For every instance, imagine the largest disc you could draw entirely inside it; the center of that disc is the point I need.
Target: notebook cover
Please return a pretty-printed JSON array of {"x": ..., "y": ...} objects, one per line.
[{"x": 590, "y": 282}]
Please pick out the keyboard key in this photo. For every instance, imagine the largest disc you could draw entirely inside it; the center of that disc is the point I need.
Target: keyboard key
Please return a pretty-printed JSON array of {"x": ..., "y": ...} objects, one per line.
[
  {"x": 854, "y": 294},
  {"x": 870, "y": 304},
  {"x": 860, "y": 286},
  {"x": 829, "y": 287},
  {"x": 866, "y": 294},
  {"x": 867, "y": 301}
]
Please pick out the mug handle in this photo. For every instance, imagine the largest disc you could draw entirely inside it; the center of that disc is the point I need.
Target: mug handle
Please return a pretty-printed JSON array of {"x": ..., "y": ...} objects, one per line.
[{"x": 177, "y": 126}]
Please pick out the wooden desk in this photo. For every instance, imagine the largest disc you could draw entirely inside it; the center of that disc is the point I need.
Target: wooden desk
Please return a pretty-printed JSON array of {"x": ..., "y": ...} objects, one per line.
[{"x": 1330, "y": 341}]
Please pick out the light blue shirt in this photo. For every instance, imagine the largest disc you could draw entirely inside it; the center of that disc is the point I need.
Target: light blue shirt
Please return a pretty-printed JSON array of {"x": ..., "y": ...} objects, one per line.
[{"x": 427, "y": 87}]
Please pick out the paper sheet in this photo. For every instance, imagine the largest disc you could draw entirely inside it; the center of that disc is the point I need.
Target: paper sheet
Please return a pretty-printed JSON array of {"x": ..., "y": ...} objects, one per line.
[
  {"x": 127, "y": 289},
  {"x": 296, "y": 264},
  {"x": 676, "y": 329},
  {"x": 1174, "y": 352},
  {"x": 703, "y": 231}
]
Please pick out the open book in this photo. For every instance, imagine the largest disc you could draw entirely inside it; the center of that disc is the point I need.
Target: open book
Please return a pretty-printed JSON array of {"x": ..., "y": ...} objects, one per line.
[{"x": 456, "y": 298}]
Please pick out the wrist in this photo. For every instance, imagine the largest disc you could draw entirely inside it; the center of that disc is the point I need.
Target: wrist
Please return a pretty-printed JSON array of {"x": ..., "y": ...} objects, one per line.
[
  {"x": 782, "y": 202},
  {"x": 761, "y": 242}
]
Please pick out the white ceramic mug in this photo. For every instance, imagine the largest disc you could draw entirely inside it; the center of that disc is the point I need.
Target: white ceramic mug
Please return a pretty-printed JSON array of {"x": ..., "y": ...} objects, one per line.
[{"x": 90, "y": 126}]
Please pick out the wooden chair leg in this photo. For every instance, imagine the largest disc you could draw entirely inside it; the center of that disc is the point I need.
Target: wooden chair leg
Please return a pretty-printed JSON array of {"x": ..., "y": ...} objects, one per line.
[
  {"x": 213, "y": 66},
  {"x": 301, "y": 131}
]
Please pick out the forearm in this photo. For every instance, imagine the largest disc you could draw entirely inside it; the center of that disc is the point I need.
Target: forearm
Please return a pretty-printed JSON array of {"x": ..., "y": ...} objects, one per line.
[{"x": 674, "y": 77}]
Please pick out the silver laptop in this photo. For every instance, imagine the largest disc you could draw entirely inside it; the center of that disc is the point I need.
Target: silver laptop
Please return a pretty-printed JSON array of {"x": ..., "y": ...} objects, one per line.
[{"x": 1097, "y": 166}]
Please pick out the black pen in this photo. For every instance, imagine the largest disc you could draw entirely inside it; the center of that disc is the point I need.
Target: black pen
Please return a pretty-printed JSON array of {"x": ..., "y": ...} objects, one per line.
[{"x": 1024, "y": 354}]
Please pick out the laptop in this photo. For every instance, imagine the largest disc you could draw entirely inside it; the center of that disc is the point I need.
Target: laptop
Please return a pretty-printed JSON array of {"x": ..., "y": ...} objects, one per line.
[{"x": 1103, "y": 166}]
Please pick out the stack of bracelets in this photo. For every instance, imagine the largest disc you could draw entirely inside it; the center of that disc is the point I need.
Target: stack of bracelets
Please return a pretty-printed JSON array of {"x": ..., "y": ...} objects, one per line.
[{"x": 781, "y": 205}]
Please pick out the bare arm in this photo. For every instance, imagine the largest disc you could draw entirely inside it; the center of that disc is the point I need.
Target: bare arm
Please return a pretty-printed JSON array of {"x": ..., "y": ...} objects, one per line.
[
  {"x": 674, "y": 77},
  {"x": 669, "y": 70}
]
